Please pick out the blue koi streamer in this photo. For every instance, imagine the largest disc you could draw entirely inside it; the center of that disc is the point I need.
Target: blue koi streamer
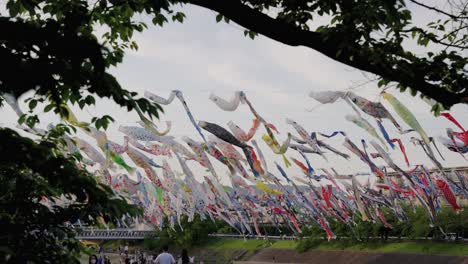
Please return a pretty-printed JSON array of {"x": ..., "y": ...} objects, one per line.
[
  {"x": 309, "y": 167},
  {"x": 385, "y": 134},
  {"x": 333, "y": 134}
]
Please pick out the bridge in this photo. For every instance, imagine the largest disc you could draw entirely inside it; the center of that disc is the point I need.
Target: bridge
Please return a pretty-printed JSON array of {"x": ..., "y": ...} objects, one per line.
[
  {"x": 112, "y": 234},
  {"x": 129, "y": 234}
]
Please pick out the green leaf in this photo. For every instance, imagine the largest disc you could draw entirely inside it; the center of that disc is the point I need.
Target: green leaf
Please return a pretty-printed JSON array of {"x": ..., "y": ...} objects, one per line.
[
  {"x": 90, "y": 100},
  {"x": 381, "y": 83},
  {"x": 48, "y": 107},
  {"x": 32, "y": 120},
  {"x": 109, "y": 118},
  {"x": 335, "y": 19},
  {"x": 81, "y": 103},
  {"x": 180, "y": 17},
  {"x": 98, "y": 123},
  {"x": 436, "y": 109},
  {"x": 219, "y": 17},
  {"x": 14, "y": 8},
  {"x": 22, "y": 118},
  {"x": 32, "y": 104},
  {"x": 338, "y": 53}
]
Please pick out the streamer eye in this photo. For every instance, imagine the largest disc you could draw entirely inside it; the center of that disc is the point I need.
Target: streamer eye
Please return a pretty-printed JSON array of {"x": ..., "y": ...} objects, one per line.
[{"x": 354, "y": 100}]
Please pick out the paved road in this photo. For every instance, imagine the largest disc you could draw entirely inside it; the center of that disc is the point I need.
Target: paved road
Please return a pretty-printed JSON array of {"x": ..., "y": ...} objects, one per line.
[
  {"x": 114, "y": 258},
  {"x": 348, "y": 257}
]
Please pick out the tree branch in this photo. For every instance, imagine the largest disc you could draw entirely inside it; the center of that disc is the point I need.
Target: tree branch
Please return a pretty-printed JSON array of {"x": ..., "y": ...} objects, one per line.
[
  {"x": 454, "y": 17},
  {"x": 358, "y": 58},
  {"x": 434, "y": 39}
]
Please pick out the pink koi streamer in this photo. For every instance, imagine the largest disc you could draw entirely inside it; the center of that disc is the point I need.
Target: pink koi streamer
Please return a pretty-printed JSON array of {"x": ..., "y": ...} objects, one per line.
[
  {"x": 241, "y": 134},
  {"x": 290, "y": 216},
  {"x": 382, "y": 218}
]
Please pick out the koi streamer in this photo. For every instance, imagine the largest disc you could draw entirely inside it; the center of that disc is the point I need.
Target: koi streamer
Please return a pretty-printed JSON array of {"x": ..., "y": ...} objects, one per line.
[{"x": 132, "y": 169}]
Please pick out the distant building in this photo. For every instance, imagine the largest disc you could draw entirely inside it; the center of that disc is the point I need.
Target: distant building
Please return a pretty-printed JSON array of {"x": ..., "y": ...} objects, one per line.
[{"x": 462, "y": 169}]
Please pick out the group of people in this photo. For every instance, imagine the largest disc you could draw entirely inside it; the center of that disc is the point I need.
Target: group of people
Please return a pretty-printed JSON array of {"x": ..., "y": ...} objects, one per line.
[
  {"x": 141, "y": 258},
  {"x": 93, "y": 259},
  {"x": 166, "y": 258}
]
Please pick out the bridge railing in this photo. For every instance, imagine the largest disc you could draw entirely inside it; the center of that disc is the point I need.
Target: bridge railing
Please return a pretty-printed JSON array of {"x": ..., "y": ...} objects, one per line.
[
  {"x": 129, "y": 234},
  {"x": 253, "y": 236},
  {"x": 97, "y": 234}
]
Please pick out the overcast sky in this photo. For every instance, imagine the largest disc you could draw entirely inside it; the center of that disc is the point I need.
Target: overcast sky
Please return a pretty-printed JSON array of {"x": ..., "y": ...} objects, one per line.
[{"x": 201, "y": 56}]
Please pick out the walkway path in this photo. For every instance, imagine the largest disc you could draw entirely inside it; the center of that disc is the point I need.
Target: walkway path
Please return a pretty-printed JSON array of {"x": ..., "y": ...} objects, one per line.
[{"x": 348, "y": 257}]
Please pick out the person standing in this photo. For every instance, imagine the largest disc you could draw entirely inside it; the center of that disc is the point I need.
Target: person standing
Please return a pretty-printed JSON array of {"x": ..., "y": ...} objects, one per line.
[
  {"x": 93, "y": 259},
  {"x": 184, "y": 258},
  {"x": 122, "y": 258},
  {"x": 165, "y": 257}
]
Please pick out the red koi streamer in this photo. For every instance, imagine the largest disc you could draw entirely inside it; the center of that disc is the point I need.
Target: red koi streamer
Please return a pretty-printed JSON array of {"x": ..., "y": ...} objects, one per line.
[
  {"x": 402, "y": 149},
  {"x": 257, "y": 229},
  {"x": 154, "y": 179},
  {"x": 273, "y": 127},
  {"x": 463, "y": 136},
  {"x": 252, "y": 130},
  {"x": 382, "y": 218},
  {"x": 256, "y": 162},
  {"x": 382, "y": 186},
  {"x": 453, "y": 120},
  {"x": 448, "y": 194},
  {"x": 301, "y": 165},
  {"x": 326, "y": 196},
  {"x": 290, "y": 216},
  {"x": 327, "y": 230}
]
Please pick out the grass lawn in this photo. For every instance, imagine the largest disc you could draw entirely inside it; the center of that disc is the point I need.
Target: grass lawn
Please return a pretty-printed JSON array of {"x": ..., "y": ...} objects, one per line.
[
  {"x": 232, "y": 243},
  {"x": 284, "y": 244},
  {"x": 420, "y": 247},
  {"x": 252, "y": 245}
]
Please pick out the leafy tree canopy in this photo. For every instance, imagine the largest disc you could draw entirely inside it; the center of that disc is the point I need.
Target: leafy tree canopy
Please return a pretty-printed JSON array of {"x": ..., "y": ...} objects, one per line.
[
  {"x": 34, "y": 174},
  {"x": 50, "y": 47}
]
